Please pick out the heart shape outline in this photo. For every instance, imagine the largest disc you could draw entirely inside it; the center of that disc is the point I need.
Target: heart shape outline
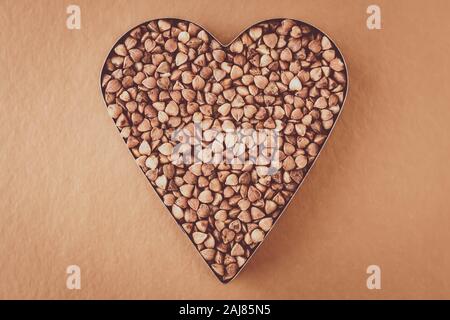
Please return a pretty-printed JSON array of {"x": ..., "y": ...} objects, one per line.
[{"x": 174, "y": 23}]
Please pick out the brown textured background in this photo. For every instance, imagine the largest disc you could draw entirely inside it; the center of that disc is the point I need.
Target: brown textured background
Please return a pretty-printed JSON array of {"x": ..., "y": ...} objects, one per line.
[{"x": 70, "y": 192}]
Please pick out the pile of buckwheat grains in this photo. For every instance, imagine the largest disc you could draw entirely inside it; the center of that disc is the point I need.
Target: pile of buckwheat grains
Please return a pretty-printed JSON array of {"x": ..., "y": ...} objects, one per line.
[{"x": 281, "y": 75}]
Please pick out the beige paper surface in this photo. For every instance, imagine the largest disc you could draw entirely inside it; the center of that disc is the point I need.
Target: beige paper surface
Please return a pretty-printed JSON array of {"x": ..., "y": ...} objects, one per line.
[{"x": 70, "y": 192}]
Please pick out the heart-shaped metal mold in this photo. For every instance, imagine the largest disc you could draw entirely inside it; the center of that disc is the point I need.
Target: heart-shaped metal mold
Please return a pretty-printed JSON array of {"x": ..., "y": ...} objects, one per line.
[{"x": 225, "y": 134}]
